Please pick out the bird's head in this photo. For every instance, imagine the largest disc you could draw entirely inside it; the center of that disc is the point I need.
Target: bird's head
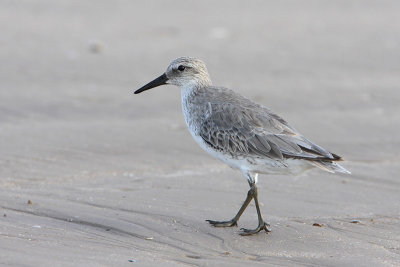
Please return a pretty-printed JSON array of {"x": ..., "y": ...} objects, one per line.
[{"x": 183, "y": 72}]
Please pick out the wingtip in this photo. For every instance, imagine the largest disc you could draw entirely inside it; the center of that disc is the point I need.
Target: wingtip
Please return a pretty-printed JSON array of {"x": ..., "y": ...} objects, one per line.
[
  {"x": 341, "y": 169},
  {"x": 330, "y": 166},
  {"x": 336, "y": 157}
]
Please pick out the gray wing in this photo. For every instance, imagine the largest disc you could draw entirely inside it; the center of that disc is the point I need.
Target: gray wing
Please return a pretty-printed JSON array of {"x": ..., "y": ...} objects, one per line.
[{"x": 251, "y": 129}]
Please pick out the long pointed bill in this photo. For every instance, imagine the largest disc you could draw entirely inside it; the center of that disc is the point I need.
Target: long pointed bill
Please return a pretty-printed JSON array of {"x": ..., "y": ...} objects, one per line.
[{"x": 156, "y": 82}]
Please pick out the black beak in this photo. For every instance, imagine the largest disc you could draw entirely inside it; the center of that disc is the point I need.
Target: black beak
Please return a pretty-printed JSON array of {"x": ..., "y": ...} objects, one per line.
[{"x": 156, "y": 82}]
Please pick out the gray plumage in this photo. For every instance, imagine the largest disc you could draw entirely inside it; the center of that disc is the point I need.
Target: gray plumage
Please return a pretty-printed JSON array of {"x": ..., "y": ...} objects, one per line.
[
  {"x": 241, "y": 133},
  {"x": 237, "y": 126}
]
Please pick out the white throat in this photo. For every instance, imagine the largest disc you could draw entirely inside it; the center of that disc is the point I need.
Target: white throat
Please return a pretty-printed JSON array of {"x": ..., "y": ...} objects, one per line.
[{"x": 187, "y": 89}]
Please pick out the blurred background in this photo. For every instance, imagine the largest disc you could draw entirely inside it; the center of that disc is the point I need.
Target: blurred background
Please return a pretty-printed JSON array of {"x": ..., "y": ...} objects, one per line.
[{"x": 73, "y": 136}]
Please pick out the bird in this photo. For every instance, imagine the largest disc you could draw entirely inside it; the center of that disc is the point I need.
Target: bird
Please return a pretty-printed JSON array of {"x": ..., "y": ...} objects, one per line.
[{"x": 241, "y": 133}]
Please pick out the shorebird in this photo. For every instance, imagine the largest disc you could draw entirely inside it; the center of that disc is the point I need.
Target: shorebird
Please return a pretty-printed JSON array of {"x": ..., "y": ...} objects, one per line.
[{"x": 245, "y": 135}]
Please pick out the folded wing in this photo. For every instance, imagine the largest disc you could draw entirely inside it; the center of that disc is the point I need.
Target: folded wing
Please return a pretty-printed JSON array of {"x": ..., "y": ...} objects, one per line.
[{"x": 251, "y": 129}]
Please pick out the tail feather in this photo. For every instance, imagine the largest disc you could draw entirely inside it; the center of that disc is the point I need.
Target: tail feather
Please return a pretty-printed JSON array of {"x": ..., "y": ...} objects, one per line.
[{"x": 330, "y": 166}]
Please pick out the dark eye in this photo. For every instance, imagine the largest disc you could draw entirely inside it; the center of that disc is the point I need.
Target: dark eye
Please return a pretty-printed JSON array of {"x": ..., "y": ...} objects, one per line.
[{"x": 181, "y": 68}]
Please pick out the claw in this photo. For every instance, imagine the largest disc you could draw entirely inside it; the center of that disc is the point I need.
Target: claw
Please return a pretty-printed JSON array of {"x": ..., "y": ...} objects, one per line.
[
  {"x": 222, "y": 223},
  {"x": 260, "y": 227}
]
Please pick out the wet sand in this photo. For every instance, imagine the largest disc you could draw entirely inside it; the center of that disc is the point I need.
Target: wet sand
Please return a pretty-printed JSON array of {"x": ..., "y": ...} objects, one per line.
[{"x": 92, "y": 175}]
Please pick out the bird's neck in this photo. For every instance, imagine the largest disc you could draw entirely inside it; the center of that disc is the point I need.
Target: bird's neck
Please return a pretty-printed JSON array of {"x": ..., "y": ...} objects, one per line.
[
  {"x": 190, "y": 106},
  {"x": 189, "y": 89}
]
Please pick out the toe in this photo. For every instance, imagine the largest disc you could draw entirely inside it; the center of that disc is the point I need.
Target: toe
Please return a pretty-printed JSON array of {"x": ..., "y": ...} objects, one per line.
[
  {"x": 249, "y": 231},
  {"x": 255, "y": 231},
  {"x": 222, "y": 223}
]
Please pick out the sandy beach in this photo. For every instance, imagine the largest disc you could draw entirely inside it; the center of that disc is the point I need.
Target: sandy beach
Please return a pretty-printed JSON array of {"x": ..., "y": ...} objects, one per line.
[{"x": 93, "y": 175}]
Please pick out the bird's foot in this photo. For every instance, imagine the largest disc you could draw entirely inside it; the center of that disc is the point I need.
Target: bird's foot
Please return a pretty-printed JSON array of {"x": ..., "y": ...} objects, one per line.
[
  {"x": 229, "y": 223},
  {"x": 261, "y": 226}
]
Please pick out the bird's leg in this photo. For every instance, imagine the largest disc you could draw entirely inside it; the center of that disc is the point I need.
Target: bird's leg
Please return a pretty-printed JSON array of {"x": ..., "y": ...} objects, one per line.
[
  {"x": 261, "y": 224},
  {"x": 233, "y": 221}
]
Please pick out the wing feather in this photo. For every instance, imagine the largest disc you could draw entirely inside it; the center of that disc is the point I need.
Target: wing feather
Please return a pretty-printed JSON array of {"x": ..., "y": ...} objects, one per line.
[{"x": 243, "y": 127}]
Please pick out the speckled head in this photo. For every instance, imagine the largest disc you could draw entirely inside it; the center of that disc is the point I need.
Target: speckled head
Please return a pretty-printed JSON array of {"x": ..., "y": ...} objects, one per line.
[{"x": 184, "y": 72}]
